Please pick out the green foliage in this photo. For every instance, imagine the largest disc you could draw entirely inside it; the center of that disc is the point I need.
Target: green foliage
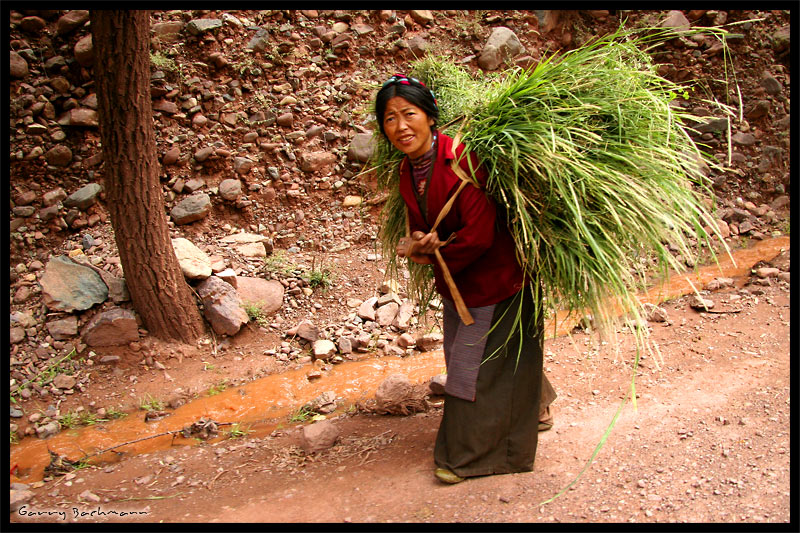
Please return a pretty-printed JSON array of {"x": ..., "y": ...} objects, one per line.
[
  {"x": 320, "y": 278},
  {"x": 163, "y": 62},
  {"x": 256, "y": 314},
  {"x": 591, "y": 163},
  {"x": 113, "y": 413},
  {"x": 236, "y": 431},
  {"x": 302, "y": 414},
  {"x": 217, "y": 388},
  {"x": 148, "y": 403}
]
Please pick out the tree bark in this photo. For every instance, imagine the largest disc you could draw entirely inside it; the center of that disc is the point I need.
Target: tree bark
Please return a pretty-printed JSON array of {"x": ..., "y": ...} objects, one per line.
[{"x": 134, "y": 198}]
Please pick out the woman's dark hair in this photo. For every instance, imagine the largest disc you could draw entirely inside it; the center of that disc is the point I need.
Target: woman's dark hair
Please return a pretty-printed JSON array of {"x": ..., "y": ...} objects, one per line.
[{"x": 410, "y": 89}]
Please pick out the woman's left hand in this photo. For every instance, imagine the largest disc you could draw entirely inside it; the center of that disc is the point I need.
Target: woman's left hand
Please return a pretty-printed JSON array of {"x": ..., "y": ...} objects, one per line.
[{"x": 425, "y": 243}]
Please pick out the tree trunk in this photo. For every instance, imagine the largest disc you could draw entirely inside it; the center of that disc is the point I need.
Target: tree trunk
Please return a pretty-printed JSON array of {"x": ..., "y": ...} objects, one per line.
[{"x": 134, "y": 198}]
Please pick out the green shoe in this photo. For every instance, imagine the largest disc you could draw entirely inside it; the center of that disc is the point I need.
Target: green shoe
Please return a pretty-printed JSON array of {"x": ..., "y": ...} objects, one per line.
[{"x": 447, "y": 476}]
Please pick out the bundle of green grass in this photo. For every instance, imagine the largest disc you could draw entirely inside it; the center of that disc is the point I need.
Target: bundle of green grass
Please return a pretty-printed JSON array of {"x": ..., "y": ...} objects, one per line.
[{"x": 591, "y": 162}]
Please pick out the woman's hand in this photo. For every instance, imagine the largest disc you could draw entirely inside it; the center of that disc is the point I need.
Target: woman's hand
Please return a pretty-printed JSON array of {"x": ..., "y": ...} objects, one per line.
[{"x": 419, "y": 247}]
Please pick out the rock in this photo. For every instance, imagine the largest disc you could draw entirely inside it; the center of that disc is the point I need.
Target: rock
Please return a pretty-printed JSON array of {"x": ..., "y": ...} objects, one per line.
[
  {"x": 324, "y": 349},
  {"x": 48, "y": 430},
  {"x": 191, "y": 209},
  {"x": 421, "y": 16},
  {"x": 361, "y": 147},
  {"x": 195, "y": 264},
  {"x": 84, "y": 51},
  {"x": 718, "y": 283},
  {"x": 89, "y": 496},
  {"x": 429, "y": 341},
  {"x": 223, "y": 308},
  {"x": 16, "y": 335},
  {"x": 266, "y": 294},
  {"x": 702, "y": 304},
  {"x": 230, "y": 189},
  {"x": 502, "y": 44},
  {"x": 351, "y": 201},
  {"x": 18, "y": 66},
  {"x": 319, "y": 436},
  {"x": 168, "y": 31},
  {"x": 20, "y": 498},
  {"x": 677, "y": 21},
  {"x": 345, "y": 345},
  {"x": 200, "y": 26},
  {"x": 63, "y": 381},
  {"x": 259, "y": 41},
  {"x": 242, "y": 165},
  {"x": 771, "y": 85},
  {"x": 68, "y": 286},
  {"x": 366, "y": 311},
  {"x": 252, "y": 250},
  {"x": 58, "y": 156},
  {"x": 316, "y": 161},
  {"x": 115, "y": 327},
  {"x": 767, "y": 272},
  {"x": 417, "y": 45},
  {"x": 84, "y": 198},
  {"x": 386, "y": 314},
  {"x": 394, "y": 390},
  {"x": 780, "y": 202},
  {"x": 79, "y": 116},
  {"x": 437, "y": 384},
  {"x": 171, "y": 156},
  {"x": 406, "y": 340},
  {"x": 744, "y": 139},
  {"x": 71, "y": 21},
  {"x": 654, "y": 313},
  {"x": 305, "y": 330},
  {"x": 781, "y": 39},
  {"x": 64, "y": 328},
  {"x": 204, "y": 153}
]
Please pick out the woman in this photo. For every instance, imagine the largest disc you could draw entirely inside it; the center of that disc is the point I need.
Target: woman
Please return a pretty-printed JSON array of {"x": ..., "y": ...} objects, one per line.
[{"x": 491, "y": 395}]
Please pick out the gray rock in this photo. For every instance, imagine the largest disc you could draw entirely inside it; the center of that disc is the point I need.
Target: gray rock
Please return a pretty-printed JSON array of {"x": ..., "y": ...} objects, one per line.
[
  {"x": 745, "y": 139},
  {"x": 222, "y": 306},
  {"x": 48, "y": 430},
  {"x": 83, "y": 198},
  {"x": 403, "y": 319},
  {"x": 252, "y": 250},
  {"x": 437, "y": 384},
  {"x": 324, "y": 349},
  {"x": 203, "y": 153},
  {"x": 345, "y": 345},
  {"x": 20, "y": 498},
  {"x": 195, "y": 264},
  {"x": 366, "y": 311},
  {"x": 200, "y": 26},
  {"x": 386, "y": 314},
  {"x": 266, "y": 294},
  {"x": 305, "y": 330},
  {"x": 700, "y": 303},
  {"x": 16, "y": 335},
  {"x": 781, "y": 39},
  {"x": 68, "y": 286},
  {"x": 394, "y": 390},
  {"x": 361, "y": 147},
  {"x": 429, "y": 341},
  {"x": 242, "y": 165},
  {"x": 767, "y": 272},
  {"x": 259, "y": 41},
  {"x": 319, "y": 436},
  {"x": 230, "y": 189},
  {"x": 19, "y": 67},
  {"x": 191, "y": 209},
  {"x": 417, "y": 45},
  {"x": 64, "y": 328},
  {"x": 114, "y": 327},
  {"x": 771, "y": 85},
  {"x": 171, "y": 156},
  {"x": 14, "y": 412},
  {"x": 502, "y": 44},
  {"x": 654, "y": 313},
  {"x": 713, "y": 125}
]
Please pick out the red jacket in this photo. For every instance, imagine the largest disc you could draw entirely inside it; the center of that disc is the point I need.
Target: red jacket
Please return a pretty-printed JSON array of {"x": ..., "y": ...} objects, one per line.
[{"x": 482, "y": 258}]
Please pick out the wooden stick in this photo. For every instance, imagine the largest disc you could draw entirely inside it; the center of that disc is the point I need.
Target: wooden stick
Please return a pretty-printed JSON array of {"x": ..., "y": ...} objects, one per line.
[{"x": 461, "y": 307}]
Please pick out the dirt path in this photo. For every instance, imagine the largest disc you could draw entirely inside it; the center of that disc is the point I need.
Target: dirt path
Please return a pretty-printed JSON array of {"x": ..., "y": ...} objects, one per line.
[{"x": 708, "y": 443}]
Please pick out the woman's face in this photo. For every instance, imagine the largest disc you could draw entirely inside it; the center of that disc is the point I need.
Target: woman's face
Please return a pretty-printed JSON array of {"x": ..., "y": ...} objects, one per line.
[{"x": 407, "y": 127}]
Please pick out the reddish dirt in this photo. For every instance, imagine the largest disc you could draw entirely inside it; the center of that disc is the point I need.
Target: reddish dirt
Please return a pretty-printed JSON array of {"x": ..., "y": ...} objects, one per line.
[{"x": 708, "y": 442}]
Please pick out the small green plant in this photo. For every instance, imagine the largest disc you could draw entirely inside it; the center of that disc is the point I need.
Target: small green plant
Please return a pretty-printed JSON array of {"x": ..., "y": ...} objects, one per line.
[
  {"x": 302, "y": 414},
  {"x": 113, "y": 413},
  {"x": 217, "y": 388},
  {"x": 163, "y": 63},
  {"x": 256, "y": 313},
  {"x": 208, "y": 366},
  {"x": 151, "y": 404},
  {"x": 320, "y": 278},
  {"x": 70, "y": 420},
  {"x": 13, "y": 437},
  {"x": 236, "y": 431},
  {"x": 88, "y": 418}
]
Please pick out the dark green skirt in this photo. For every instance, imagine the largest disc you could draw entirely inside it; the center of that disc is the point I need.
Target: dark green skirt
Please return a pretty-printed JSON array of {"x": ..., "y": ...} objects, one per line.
[{"x": 498, "y": 432}]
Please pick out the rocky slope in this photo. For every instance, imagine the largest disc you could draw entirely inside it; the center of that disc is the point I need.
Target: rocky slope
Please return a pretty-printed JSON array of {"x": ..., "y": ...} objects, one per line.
[{"x": 262, "y": 125}]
